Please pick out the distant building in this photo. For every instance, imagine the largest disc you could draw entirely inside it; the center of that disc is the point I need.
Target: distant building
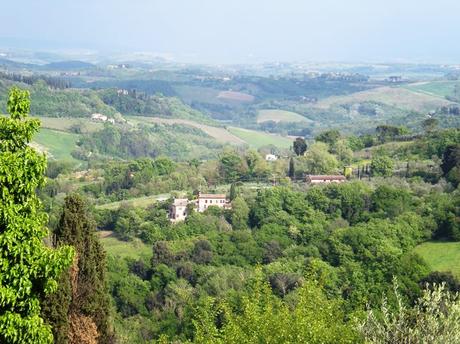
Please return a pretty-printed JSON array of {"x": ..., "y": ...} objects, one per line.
[
  {"x": 395, "y": 78},
  {"x": 99, "y": 117},
  {"x": 271, "y": 157},
  {"x": 178, "y": 210},
  {"x": 206, "y": 200},
  {"x": 324, "y": 179}
]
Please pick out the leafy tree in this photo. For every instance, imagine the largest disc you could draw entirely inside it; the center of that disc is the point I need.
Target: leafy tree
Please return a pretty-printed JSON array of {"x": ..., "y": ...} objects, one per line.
[
  {"x": 435, "y": 318},
  {"x": 382, "y": 165},
  {"x": 318, "y": 160},
  {"x": 83, "y": 287},
  {"x": 300, "y": 146},
  {"x": 28, "y": 269},
  {"x": 263, "y": 318},
  {"x": 389, "y": 132},
  {"x": 330, "y": 137},
  {"x": 240, "y": 213},
  {"x": 230, "y": 166},
  {"x": 430, "y": 124}
]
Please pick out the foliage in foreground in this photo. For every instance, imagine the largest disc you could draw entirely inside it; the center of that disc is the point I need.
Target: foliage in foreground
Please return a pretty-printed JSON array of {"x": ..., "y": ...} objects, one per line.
[
  {"x": 28, "y": 269},
  {"x": 264, "y": 318},
  {"x": 434, "y": 319}
]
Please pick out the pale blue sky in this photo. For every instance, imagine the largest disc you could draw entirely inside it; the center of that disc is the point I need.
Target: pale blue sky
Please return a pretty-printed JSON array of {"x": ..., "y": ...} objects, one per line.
[{"x": 241, "y": 30}]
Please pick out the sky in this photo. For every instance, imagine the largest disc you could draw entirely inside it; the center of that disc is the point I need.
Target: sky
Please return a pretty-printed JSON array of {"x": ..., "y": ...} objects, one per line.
[{"x": 240, "y": 31}]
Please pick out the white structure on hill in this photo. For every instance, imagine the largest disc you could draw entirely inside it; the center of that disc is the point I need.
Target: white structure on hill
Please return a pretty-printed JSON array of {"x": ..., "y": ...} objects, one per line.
[
  {"x": 206, "y": 200},
  {"x": 323, "y": 179},
  {"x": 271, "y": 157},
  {"x": 101, "y": 118},
  {"x": 179, "y": 209}
]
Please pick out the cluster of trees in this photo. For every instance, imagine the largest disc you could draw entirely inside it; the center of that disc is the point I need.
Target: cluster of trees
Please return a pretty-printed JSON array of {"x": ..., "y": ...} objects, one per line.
[
  {"x": 340, "y": 245},
  {"x": 135, "y": 103},
  {"x": 53, "y": 82},
  {"x": 179, "y": 142}
]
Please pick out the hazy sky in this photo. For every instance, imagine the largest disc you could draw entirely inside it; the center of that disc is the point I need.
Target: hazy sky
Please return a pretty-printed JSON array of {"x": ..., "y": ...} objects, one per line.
[{"x": 241, "y": 30}]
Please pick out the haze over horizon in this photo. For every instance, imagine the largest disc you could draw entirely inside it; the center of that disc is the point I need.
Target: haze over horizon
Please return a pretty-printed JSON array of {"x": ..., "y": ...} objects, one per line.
[{"x": 213, "y": 31}]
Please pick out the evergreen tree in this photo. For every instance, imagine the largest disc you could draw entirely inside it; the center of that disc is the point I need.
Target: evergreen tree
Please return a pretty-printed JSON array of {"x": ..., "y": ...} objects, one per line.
[
  {"x": 300, "y": 146},
  {"x": 80, "y": 307},
  {"x": 291, "y": 172},
  {"x": 233, "y": 192},
  {"x": 28, "y": 269}
]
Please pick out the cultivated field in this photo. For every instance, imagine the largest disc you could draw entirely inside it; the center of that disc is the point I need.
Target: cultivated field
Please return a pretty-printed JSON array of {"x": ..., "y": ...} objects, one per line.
[
  {"x": 139, "y": 202},
  {"x": 441, "y": 256},
  {"x": 435, "y": 88},
  {"x": 220, "y": 134},
  {"x": 236, "y": 96},
  {"x": 258, "y": 139},
  {"x": 199, "y": 94},
  {"x": 398, "y": 97},
  {"x": 280, "y": 116},
  {"x": 57, "y": 144},
  {"x": 65, "y": 123},
  {"x": 131, "y": 249}
]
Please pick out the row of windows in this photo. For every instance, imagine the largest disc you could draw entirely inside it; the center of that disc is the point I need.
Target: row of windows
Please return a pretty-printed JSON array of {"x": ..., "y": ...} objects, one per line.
[{"x": 216, "y": 201}]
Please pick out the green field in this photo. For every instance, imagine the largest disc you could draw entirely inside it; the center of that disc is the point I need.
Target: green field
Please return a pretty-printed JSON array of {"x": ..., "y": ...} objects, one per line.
[
  {"x": 258, "y": 139},
  {"x": 441, "y": 256},
  {"x": 65, "y": 123},
  {"x": 280, "y": 116},
  {"x": 402, "y": 98},
  {"x": 132, "y": 249},
  {"x": 434, "y": 88},
  {"x": 142, "y": 202},
  {"x": 57, "y": 144}
]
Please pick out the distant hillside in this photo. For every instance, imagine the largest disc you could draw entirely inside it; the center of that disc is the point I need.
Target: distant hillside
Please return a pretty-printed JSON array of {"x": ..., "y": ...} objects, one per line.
[
  {"x": 133, "y": 103},
  {"x": 50, "y": 102},
  {"x": 8, "y": 64},
  {"x": 68, "y": 65}
]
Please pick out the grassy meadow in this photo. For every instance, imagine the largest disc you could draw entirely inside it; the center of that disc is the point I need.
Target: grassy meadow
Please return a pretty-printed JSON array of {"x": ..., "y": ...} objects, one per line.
[
  {"x": 441, "y": 256},
  {"x": 280, "y": 116},
  {"x": 57, "y": 144},
  {"x": 258, "y": 139}
]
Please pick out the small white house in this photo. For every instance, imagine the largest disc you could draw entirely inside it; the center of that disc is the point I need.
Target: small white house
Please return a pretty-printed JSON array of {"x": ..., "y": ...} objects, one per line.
[
  {"x": 99, "y": 117},
  {"x": 271, "y": 157}
]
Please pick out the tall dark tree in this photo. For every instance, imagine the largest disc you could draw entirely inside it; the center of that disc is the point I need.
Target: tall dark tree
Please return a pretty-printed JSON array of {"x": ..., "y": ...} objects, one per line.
[
  {"x": 233, "y": 191},
  {"x": 300, "y": 146},
  {"x": 291, "y": 172},
  {"x": 80, "y": 308},
  {"x": 450, "y": 158}
]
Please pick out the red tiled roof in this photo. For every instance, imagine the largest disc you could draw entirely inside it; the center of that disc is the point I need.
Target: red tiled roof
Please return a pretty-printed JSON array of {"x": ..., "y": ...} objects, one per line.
[{"x": 212, "y": 196}]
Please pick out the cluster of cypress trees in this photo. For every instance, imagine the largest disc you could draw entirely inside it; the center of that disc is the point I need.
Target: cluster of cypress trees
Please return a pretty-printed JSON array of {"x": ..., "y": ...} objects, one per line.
[{"x": 78, "y": 311}]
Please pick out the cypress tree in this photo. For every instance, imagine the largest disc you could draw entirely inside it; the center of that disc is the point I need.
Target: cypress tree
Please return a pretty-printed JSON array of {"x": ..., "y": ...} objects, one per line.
[
  {"x": 233, "y": 192},
  {"x": 81, "y": 303},
  {"x": 291, "y": 172},
  {"x": 28, "y": 269}
]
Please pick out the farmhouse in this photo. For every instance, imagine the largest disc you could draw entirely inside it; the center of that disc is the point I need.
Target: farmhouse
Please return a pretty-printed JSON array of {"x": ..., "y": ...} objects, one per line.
[
  {"x": 324, "y": 179},
  {"x": 178, "y": 210},
  {"x": 206, "y": 200}
]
